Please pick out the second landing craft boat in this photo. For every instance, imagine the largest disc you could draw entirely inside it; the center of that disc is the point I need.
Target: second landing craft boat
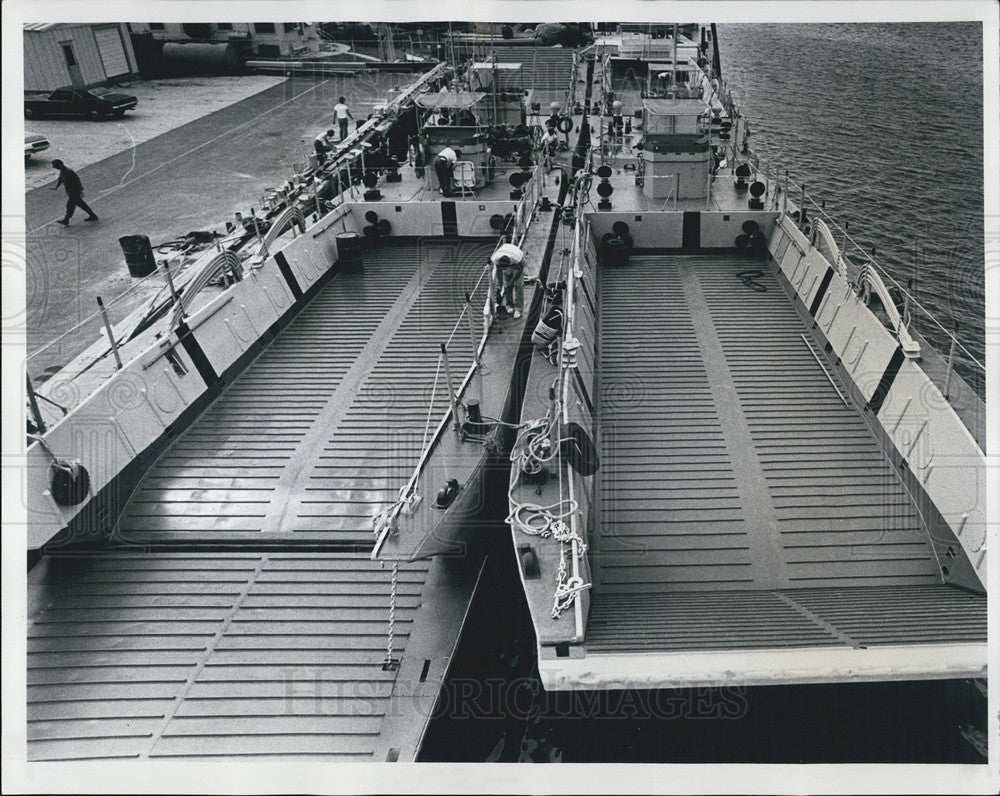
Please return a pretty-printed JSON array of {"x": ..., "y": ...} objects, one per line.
[{"x": 739, "y": 462}]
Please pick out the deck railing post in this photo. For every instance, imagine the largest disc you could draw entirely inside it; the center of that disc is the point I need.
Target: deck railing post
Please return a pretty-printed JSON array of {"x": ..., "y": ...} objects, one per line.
[
  {"x": 35, "y": 411},
  {"x": 110, "y": 331},
  {"x": 951, "y": 361},
  {"x": 906, "y": 302},
  {"x": 452, "y": 396},
  {"x": 170, "y": 280},
  {"x": 802, "y": 206}
]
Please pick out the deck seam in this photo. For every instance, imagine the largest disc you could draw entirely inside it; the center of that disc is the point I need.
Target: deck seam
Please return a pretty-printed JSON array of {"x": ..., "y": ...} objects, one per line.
[
  {"x": 346, "y": 392},
  {"x": 761, "y": 516},
  {"x": 207, "y": 653},
  {"x": 825, "y": 624}
]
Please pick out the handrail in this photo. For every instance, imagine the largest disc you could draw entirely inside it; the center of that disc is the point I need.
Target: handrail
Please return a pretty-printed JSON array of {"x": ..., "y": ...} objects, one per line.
[
  {"x": 786, "y": 185},
  {"x": 298, "y": 189},
  {"x": 525, "y": 209}
]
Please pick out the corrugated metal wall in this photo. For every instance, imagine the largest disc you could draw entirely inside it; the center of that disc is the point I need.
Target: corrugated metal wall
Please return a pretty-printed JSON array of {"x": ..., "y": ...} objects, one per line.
[{"x": 45, "y": 65}]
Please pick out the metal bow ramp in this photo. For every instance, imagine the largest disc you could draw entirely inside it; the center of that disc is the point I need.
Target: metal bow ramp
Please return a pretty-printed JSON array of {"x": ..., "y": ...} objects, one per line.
[
  {"x": 743, "y": 504},
  {"x": 214, "y": 647}
]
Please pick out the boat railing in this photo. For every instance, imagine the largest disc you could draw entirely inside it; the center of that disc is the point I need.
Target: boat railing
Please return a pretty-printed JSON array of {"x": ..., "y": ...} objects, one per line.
[
  {"x": 384, "y": 521},
  {"x": 849, "y": 256},
  {"x": 114, "y": 324}
]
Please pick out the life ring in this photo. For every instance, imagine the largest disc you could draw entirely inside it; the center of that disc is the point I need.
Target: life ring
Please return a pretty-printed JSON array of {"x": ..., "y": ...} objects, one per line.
[
  {"x": 565, "y": 124},
  {"x": 69, "y": 482},
  {"x": 579, "y": 450}
]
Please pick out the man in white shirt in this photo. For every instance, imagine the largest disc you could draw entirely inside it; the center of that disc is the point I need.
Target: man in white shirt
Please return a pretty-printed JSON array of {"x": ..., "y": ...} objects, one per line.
[
  {"x": 444, "y": 166},
  {"x": 507, "y": 282},
  {"x": 342, "y": 114}
]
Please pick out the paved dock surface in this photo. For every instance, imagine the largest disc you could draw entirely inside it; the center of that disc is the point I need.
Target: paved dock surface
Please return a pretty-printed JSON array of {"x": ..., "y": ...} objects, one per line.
[{"x": 193, "y": 177}]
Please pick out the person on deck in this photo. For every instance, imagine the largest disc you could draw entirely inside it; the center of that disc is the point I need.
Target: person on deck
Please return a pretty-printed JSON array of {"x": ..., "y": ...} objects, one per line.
[
  {"x": 508, "y": 285},
  {"x": 549, "y": 144},
  {"x": 444, "y": 167},
  {"x": 322, "y": 146},
  {"x": 342, "y": 113},
  {"x": 74, "y": 192}
]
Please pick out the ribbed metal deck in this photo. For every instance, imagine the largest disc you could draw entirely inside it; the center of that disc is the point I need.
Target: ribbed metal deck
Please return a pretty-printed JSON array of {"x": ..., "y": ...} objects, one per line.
[
  {"x": 169, "y": 655},
  {"x": 737, "y": 490},
  {"x": 208, "y": 654},
  {"x": 326, "y": 425}
]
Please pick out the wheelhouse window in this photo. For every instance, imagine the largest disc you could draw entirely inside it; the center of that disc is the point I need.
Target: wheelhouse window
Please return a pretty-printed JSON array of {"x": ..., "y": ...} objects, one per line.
[{"x": 263, "y": 27}]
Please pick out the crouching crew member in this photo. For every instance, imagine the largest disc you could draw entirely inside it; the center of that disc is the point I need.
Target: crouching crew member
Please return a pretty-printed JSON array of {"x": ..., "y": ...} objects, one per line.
[
  {"x": 508, "y": 284},
  {"x": 444, "y": 167}
]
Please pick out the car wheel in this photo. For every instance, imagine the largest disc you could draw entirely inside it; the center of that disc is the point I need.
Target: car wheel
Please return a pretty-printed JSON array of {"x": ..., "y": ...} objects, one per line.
[
  {"x": 96, "y": 116},
  {"x": 28, "y": 113}
]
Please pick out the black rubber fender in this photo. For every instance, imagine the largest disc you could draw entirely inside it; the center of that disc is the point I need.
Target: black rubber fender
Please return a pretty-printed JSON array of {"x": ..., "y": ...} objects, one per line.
[
  {"x": 579, "y": 450},
  {"x": 69, "y": 482},
  {"x": 565, "y": 124}
]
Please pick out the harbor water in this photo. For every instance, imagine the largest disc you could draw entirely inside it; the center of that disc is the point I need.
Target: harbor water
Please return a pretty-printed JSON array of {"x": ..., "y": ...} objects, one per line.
[{"x": 884, "y": 124}]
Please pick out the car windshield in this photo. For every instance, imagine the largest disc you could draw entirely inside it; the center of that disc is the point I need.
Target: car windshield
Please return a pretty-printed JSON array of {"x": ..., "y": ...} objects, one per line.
[{"x": 99, "y": 92}]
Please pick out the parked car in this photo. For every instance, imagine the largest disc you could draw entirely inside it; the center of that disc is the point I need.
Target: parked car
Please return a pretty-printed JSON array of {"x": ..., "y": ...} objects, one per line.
[
  {"x": 34, "y": 144},
  {"x": 95, "y": 103}
]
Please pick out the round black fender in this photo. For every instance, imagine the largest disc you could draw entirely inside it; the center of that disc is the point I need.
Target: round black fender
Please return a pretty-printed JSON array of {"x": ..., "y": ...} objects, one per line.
[
  {"x": 371, "y": 217},
  {"x": 750, "y": 227},
  {"x": 383, "y": 227},
  {"x": 565, "y": 124},
  {"x": 579, "y": 450},
  {"x": 497, "y": 222},
  {"x": 69, "y": 482}
]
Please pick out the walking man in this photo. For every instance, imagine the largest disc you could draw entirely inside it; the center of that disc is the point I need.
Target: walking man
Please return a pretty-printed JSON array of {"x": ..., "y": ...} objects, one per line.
[
  {"x": 74, "y": 192},
  {"x": 343, "y": 113}
]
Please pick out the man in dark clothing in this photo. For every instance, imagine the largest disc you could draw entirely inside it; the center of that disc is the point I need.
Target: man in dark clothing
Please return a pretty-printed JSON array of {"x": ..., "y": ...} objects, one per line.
[{"x": 74, "y": 192}]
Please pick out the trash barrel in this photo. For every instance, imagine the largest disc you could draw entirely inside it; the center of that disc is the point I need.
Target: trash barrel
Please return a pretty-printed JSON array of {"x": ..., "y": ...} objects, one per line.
[
  {"x": 349, "y": 253},
  {"x": 138, "y": 255}
]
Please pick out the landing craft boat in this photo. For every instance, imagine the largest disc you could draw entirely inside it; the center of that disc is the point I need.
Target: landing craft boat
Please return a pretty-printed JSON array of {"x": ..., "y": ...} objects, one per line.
[
  {"x": 327, "y": 381},
  {"x": 739, "y": 461},
  {"x": 730, "y": 486}
]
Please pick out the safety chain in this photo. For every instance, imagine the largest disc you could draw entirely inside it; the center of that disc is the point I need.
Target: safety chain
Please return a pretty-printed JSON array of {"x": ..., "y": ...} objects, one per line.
[
  {"x": 390, "y": 663},
  {"x": 567, "y": 588}
]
